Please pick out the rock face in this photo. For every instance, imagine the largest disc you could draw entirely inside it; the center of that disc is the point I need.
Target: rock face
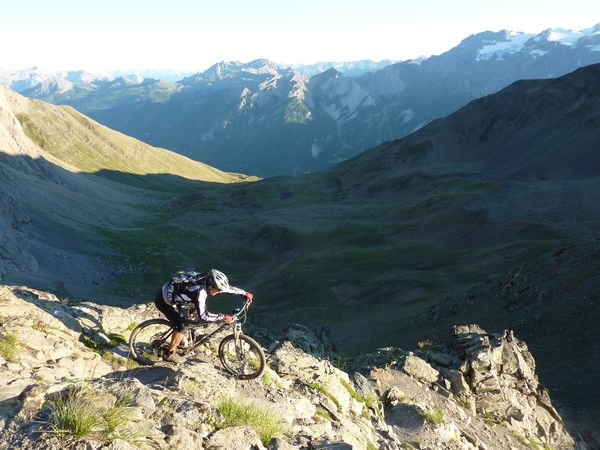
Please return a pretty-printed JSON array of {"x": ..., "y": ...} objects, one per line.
[
  {"x": 500, "y": 374},
  {"x": 452, "y": 399}
]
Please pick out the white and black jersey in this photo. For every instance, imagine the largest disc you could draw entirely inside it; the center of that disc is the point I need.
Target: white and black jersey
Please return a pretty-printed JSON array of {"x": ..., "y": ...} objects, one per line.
[{"x": 195, "y": 294}]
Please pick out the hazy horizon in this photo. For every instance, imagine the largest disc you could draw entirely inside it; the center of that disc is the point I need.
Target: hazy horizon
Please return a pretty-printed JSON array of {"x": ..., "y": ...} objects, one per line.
[{"x": 185, "y": 36}]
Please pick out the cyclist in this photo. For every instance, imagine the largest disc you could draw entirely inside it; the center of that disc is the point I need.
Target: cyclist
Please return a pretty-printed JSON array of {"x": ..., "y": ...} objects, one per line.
[{"x": 214, "y": 283}]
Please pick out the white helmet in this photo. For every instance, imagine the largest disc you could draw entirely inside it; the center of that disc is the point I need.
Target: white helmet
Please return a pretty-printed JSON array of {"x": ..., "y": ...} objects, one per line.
[{"x": 219, "y": 280}]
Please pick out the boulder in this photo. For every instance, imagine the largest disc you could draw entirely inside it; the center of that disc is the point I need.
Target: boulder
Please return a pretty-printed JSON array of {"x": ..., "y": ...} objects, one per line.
[
  {"x": 137, "y": 393},
  {"x": 458, "y": 384},
  {"x": 182, "y": 438},
  {"x": 317, "y": 344},
  {"x": 235, "y": 438},
  {"x": 419, "y": 369}
]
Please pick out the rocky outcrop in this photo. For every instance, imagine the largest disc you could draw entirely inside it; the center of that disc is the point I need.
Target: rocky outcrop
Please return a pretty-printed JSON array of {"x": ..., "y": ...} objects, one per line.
[
  {"x": 58, "y": 357},
  {"x": 499, "y": 375}
]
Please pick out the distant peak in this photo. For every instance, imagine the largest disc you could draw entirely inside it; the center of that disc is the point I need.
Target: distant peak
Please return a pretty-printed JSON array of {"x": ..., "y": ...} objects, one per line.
[
  {"x": 331, "y": 73},
  {"x": 486, "y": 37},
  {"x": 594, "y": 30},
  {"x": 257, "y": 66},
  {"x": 262, "y": 62},
  {"x": 221, "y": 68}
]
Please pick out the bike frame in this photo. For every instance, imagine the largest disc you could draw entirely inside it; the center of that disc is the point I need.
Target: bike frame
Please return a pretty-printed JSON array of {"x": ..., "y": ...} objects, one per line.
[{"x": 237, "y": 328}]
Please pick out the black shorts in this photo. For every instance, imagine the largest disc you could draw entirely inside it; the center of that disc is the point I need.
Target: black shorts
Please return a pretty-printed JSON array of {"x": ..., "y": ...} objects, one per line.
[{"x": 169, "y": 311}]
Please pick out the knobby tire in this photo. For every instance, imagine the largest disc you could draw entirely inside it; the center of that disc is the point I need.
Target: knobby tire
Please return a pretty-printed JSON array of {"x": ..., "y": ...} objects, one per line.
[{"x": 257, "y": 367}]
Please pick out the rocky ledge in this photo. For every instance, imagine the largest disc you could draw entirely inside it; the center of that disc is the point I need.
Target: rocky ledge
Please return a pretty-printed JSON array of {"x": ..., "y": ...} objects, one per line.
[{"x": 66, "y": 382}]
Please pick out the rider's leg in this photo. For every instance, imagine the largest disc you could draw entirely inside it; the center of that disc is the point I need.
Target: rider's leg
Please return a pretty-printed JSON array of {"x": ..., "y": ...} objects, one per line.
[
  {"x": 175, "y": 340},
  {"x": 173, "y": 316}
]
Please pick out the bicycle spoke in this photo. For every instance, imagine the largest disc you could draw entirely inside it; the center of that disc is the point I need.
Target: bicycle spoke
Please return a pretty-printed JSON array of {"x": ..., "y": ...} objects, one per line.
[{"x": 150, "y": 342}]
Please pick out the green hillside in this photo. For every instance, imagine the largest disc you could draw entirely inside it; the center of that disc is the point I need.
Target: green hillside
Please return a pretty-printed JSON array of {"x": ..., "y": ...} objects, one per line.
[{"x": 84, "y": 144}]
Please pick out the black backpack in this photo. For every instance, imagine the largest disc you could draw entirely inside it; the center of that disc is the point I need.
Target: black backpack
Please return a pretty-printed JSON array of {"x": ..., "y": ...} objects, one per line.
[{"x": 182, "y": 280}]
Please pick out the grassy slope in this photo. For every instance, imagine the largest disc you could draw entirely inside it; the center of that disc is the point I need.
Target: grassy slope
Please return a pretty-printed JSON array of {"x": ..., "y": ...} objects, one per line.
[{"x": 82, "y": 143}]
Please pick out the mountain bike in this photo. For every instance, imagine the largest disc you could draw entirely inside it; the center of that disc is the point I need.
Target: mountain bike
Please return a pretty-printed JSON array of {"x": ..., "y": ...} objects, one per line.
[{"x": 239, "y": 354}]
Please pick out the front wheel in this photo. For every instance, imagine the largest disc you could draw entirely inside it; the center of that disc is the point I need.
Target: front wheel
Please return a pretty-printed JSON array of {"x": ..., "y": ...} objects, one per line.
[
  {"x": 148, "y": 340},
  {"x": 242, "y": 357}
]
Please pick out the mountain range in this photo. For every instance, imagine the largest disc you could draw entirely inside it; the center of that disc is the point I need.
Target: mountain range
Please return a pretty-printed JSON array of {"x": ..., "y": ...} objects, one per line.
[
  {"x": 23, "y": 79},
  {"x": 348, "y": 68},
  {"x": 389, "y": 247},
  {"x": 264, "y": 119}
]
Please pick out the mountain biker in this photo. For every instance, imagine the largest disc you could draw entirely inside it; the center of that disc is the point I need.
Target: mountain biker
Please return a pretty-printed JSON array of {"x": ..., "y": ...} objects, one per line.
[{"x": 166, "y": 298}]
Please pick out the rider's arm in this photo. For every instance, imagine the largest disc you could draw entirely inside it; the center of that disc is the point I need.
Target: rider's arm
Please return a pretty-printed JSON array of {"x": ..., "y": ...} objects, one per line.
[
  {"x": 235, "y": 290},
  {"x": 203, "y": 314}
]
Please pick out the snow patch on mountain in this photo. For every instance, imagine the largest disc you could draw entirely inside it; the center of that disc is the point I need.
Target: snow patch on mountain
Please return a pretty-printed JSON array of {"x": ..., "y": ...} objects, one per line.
[
  {"x": 565, "y": 37},
  {"x": 538, "y": 53},
  {"x": 517, "y": 41},
  {"x": 515, "y": 44}
]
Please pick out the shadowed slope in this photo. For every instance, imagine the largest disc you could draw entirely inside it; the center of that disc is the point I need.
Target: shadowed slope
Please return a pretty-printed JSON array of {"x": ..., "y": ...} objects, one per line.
[{"x": 538, "y": 128}]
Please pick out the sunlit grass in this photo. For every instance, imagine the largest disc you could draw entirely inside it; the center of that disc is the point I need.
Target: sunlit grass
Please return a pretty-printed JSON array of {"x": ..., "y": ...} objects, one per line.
[{"x": 266, "y": 424}]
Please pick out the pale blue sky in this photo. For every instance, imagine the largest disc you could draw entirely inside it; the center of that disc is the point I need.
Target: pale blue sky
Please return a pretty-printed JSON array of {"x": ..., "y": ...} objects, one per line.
[{"x": 192, "y": 35}]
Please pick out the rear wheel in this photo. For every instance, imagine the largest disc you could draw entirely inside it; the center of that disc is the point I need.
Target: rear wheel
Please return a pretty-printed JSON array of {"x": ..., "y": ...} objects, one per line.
[
  {"x": 148, "y": 340},
  {"x": 243, "y": 358}
]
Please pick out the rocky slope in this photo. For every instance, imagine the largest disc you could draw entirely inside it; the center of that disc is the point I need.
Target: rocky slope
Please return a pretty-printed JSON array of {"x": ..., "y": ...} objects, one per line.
[{"x": 480, "y": 392}]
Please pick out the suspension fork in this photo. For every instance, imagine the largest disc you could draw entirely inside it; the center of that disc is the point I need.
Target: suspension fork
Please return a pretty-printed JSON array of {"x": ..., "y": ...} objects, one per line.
[{"x": 237, "y": 332}]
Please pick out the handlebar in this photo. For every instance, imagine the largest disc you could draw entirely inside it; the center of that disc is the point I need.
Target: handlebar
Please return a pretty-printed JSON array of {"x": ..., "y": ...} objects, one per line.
[
  {"x": 237, "y": 314},
  {"x": 241, "y": 311}
]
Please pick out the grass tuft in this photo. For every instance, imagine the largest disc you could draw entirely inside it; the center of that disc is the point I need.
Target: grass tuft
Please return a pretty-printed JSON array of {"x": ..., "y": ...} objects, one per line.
[
  {"x": 324, "y": 414},
  {"x": 530, "y": 442},
  {"x": 490, "y": 419},
  {"x": 116, "y": 339},
  {"x": 108, "y": 355},
  {"x": 320, "y": 388},
  {"x": 74, "y": 415},
  {"x": 370, "y": 446},
  {"x": 263, "y": 421},
  {"x": 266, "y": 379},
  {"x": 370, "y": 401},
  {"x": 117, "y": 416},
  {"x": 40, "y": 326},
  {"x": 79, "y": 414},
  {"x": 355, "y": 395},
  {"x": 435, "y": 416},
  {"x": 9, "y": 347}
]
